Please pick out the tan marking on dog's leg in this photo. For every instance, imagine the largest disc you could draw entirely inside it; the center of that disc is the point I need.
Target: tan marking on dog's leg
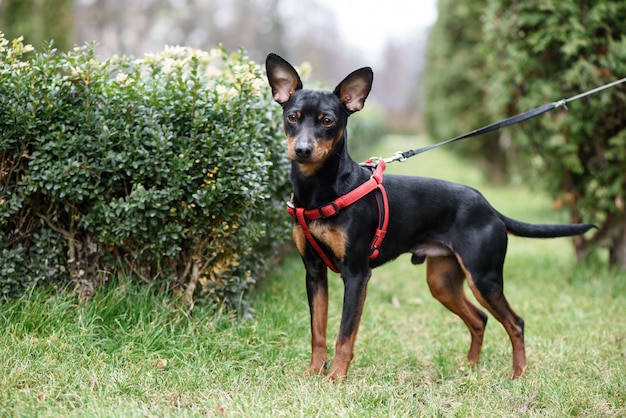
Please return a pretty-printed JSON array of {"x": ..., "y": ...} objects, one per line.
[
  {"x": 499, "y": 307},
  {"x": 344, "y": 353},
  {"x": 445, "y": 280},
  {"x": 344, "y": 347},
  {"x": 319, "y": 323},
  {"x": 299, "y": 238}
]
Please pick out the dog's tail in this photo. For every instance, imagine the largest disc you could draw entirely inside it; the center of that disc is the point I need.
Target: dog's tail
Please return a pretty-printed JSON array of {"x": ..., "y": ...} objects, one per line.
[{"x": 524, "y": 229}]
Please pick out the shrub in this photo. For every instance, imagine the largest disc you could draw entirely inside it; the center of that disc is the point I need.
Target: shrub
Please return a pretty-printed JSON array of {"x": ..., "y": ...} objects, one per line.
[
  {"x": 555, "y": 50},
  {"x": 170, "y": 167}
]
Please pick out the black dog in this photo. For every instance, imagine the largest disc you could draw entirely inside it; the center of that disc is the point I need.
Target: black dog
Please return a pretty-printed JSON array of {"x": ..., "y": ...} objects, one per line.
[{"x": 450, "y": 226}]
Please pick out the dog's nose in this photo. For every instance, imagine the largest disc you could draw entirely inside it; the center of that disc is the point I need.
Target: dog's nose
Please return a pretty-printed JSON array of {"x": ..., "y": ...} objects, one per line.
[{"x": 303, "y": 150}]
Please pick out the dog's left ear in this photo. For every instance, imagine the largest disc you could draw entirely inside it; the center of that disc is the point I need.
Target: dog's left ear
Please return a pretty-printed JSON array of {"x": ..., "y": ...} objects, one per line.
[{"x": 355, "y": 88}]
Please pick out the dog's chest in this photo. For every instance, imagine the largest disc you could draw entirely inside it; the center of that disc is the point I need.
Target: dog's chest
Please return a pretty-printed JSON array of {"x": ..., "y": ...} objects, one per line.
[{"x": 334, "y": 237}]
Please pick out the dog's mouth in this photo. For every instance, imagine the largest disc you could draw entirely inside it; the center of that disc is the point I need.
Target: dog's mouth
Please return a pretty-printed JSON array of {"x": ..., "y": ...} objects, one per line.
[
  {"x": 308, "y": 166},
  {"x": 304, "y": 160}
]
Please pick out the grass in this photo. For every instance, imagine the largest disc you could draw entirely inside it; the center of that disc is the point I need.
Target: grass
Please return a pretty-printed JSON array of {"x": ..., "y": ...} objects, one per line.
[{"x": 134, "y": 351}]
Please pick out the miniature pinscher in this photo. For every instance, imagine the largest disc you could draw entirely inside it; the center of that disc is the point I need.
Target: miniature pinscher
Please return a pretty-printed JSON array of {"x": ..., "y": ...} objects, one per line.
[{"x": 449, "y": 226}]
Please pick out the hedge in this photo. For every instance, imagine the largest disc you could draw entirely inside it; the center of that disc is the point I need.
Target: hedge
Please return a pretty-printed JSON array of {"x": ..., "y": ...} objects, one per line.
[{"x": 167, "y": 168}]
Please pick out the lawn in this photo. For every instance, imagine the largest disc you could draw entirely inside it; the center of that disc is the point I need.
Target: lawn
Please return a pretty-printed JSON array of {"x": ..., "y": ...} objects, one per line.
[{"x": 132, "y": 350}]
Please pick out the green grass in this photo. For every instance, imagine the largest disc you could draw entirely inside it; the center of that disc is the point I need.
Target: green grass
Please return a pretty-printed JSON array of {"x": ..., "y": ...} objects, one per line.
[{"x": 134, "y": 351}]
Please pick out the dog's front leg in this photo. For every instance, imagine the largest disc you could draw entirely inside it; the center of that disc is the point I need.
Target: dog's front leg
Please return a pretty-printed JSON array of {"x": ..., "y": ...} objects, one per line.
[
  {"x": 355, "y": 289},
  {"x": 317, "y": 293}
]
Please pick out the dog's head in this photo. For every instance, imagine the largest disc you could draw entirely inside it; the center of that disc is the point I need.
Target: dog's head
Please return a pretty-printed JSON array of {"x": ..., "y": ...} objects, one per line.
[{"x": 315, "y": 120}]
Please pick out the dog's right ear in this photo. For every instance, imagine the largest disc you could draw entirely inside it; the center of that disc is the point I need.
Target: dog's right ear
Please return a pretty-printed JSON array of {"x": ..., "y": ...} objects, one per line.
[{"x": 283, "y": 78}]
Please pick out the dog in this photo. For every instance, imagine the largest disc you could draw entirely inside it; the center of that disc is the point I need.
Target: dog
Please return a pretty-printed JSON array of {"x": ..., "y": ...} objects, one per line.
[{"x": 449, "y": 226}]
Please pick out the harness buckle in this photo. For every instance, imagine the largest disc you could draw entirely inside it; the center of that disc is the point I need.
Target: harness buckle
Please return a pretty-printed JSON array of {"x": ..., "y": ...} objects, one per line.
[{"x": 321, "y": 210}]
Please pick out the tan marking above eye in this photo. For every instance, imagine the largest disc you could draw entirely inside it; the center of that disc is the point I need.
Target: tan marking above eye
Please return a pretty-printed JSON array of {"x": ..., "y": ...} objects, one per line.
[{"x": 327, "y": 121}]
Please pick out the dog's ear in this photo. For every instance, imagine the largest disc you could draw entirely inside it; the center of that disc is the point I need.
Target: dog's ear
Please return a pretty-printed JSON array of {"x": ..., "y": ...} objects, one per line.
[
  {"x": 282, "y": 77},
  {"x": 354, "y": 89}
]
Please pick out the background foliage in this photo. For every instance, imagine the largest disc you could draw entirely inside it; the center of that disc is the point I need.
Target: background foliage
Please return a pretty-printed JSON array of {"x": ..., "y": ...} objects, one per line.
[
  {"x": 454, "y": 85},
  {"x": 39, "y": 21},
  {"x": 536, "y": 52},
  {"x": 310, "y": 31},
  {"x": 170, "y": 167}
]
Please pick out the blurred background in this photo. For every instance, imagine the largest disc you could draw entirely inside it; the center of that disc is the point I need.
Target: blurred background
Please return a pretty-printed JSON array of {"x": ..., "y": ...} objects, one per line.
[{"x": 334, "y": 37}]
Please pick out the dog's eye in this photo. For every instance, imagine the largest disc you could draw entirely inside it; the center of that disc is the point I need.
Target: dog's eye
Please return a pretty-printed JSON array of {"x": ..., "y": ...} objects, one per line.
[
  {"x": 327, "y": 122},
  {"x": 292, "y": 118}
]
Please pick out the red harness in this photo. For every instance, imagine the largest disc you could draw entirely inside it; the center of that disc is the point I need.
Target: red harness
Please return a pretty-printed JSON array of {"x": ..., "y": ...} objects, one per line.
[{"x": 374, "y": 184}]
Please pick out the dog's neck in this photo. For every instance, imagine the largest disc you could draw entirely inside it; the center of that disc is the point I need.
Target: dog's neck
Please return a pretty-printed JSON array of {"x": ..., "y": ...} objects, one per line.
[{"x": 337, "y": 176}]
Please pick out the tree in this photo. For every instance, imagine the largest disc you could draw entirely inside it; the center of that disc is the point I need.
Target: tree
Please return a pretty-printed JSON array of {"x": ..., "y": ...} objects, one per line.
[
  {"x": 39, "y": 21},
  {"x": 454, "y": 83},
  {"x": 541, "y": 51}
]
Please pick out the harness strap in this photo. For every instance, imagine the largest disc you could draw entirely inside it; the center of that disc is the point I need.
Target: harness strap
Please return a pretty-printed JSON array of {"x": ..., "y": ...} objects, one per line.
[
  {"x": 374, "y": 184},
  {"x": 333, "y": 208},
  {"x": 383, "y": 222}
]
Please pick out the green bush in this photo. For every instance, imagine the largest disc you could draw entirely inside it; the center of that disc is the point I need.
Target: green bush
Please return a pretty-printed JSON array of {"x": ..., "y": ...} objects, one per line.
[
  {"x": 170, "y": 167},
  {"x": 553, "y": 50}
]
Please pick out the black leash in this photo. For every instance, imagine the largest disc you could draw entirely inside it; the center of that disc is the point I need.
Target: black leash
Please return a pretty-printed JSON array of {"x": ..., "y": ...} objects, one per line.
[{"x": 402, "y": 156}]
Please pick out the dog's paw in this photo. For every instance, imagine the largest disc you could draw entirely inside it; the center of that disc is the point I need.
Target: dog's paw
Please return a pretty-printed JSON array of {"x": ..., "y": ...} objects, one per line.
[
  {"x": 335, "y": 377},
  {"x": 315, "y": 370}
]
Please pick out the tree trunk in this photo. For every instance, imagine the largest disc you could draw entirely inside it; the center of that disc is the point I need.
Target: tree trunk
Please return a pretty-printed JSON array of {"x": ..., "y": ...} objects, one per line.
[
  {"x": 617, "y": 250},
  {"x": 610, "y": 235}
]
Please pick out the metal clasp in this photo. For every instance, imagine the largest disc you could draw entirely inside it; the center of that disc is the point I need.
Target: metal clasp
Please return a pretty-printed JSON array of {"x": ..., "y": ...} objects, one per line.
[{"x": 398, "y": 156}]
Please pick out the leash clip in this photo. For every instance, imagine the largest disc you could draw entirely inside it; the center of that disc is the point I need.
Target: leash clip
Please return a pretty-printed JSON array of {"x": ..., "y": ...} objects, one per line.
[
  {"x": 398, "y": 156},
  {"x": 373, "y": 161}
]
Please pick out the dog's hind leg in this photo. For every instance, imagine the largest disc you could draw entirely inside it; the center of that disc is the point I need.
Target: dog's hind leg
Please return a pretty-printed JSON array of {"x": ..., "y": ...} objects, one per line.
[
  {"x": 488, "y": 290},
  {"x": 445, "y": 279}
]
